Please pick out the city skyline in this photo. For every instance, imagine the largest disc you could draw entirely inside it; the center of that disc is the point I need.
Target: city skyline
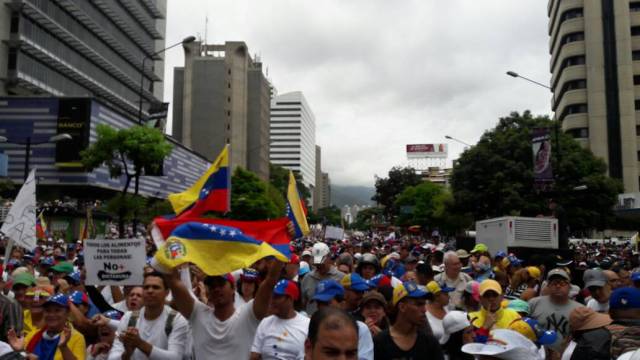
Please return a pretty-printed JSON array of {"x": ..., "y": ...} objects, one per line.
[{"x": 386, "y": 64}]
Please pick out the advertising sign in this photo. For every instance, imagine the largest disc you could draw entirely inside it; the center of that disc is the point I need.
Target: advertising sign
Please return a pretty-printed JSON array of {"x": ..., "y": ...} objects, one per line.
[
  {"x": 73, "y": 119},
  {"x": 541, "y": 147},
  {"x": 114, "y": 261},
  {"x": 427, "y": 151}
]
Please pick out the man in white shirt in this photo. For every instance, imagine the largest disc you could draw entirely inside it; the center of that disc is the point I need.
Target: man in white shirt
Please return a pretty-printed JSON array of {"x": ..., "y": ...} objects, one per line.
[
  {"x": 281, "y": 335},
  {"x": 155, "y": 332},
  {"x": 453, "y": 277},
  {"x": 220, "y": 331}
]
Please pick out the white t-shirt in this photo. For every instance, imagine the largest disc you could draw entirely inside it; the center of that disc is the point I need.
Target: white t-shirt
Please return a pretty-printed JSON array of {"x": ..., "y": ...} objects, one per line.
[
  {"x": 229, "y": 339},
  {"x": 278, "y": 338},
  {"x": 153, "y": 332},
  {"x": 365, "y": 342},
  {"x": 566, "y": 355},
  {"x": 597, "y": 306},
  {"x": 437, "y": 328}
]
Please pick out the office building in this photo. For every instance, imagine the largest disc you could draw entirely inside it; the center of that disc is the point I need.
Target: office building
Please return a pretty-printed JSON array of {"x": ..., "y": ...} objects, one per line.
[
  {"x": 325, "y": 194},
  {"x": 221, "y": 97},
  {"x": 595, "y": 66},
  {"x": 317, "y": 193},
  {"x": 293, "y": 139},
  {"x": 83, "y": 48}
]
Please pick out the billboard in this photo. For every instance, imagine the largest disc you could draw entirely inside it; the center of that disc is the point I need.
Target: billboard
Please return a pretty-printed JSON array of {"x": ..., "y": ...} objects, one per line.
[
  {"x": 416, "y": 151},
  {"x": 541, "y": 147},
  {"x": 74, "y": 119}
]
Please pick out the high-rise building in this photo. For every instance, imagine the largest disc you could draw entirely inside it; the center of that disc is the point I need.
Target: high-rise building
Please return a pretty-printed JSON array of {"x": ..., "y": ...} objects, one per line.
[
  {"x": 595, "y": 66},
  {"x": 317, "y": 193},
  {"x": 325, "y": 201},
  {"x": 222, "y": 97},
  {"x": 293, "y": 136},
  {"x": 83, "y": 48}
]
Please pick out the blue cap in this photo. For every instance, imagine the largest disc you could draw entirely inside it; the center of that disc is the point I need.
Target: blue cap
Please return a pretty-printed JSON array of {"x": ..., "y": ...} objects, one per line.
[
  {"x": 113, "y": 314},
  {"x": 58, "y": 299},
  {"x": 501, "y": 254},
  {"x": 47, "y": 260},
  {"x": 545, "y": 337},
  {"x": 513, "y": 260},
  {"x": 287, "y": 287},
  {"x": 327, "y": 290},
  {"x": 625, "y": 298},
  {"x": 635, "y": 276},
  {"x": 354, "y": 282},
  {"x": 14, "y": 263},
  {"x": 74, "y": 276}
]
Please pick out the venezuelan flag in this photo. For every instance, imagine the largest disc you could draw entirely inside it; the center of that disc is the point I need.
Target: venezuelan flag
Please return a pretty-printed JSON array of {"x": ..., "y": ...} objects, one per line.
[
  {"x": 295, "y": 209},
  {"x": 273, "y": 232},
  {"x": 210, "y": 193},
  {"x": 214, "y": 248},
  {"x": 41, "y": 227}
]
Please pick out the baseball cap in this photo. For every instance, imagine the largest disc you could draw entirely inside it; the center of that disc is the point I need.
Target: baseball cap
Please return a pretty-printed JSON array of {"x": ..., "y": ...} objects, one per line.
[
  {"x": 79, "y": 297},
  {"x": 379, "y": 280},
  {"x": 208, "y": 280},
  {"x": 635, "y": 276},
  {"x": 287, "y": 287},
  {"x": 407, "y": 289},
  {"x": 514, "y": 261},
  {"x": 625, "y": 298},
  {"x": 462, "y": 253},
  {"x": 354, "y": 282},
  {"x": 58, "y": 299},
  {"x": 594, "y": 277},
  {"x": 74, "y": 276},
  {"x": 455, "y": 321},
  {"x": 473, "y": 288},
  {"x": 479, "y": 248},
  {"x": 630, "y": 355},
  {"x": 584, "y": 318},
  {"x": 304, "y": 268},
  {"x": 500, "y": 254},
  {"x": 47, "y": 261},
  {"x": 558, "y": 272},
  {"x": 490, "y": 285},
  {"x": 24, "y": 278},
  {"x": 295, "y": 259},
  {"x": 63, "y": 267},
  {"x": 41, "y": 291},
  {"x": 434, "y": 288},
  {"x": 534, "y": 272},
  {"x": 326, "y": 290},
  {"x": 373, "y": 296},
  {"x": 249, "y": 275},
  {"x": 531, "y": 330},
  {"x": 504, "y": 344},
  {"x": 518, "y": 305},
  {"x": 306, "y": 253},
  {"x": 319, "y": 252}
]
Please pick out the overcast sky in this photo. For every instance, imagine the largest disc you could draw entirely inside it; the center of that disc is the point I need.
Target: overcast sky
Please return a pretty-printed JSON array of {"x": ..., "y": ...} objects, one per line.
[{"x": 381, "y": 74}]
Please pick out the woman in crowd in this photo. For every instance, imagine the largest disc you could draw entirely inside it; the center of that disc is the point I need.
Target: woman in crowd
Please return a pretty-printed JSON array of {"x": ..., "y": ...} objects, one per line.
[
  {"x": 437, "y": 309},
  {"x": 524, "y": 284},
  {"x": 247, "y": 287},
  {"x": 372, "y": 310}
]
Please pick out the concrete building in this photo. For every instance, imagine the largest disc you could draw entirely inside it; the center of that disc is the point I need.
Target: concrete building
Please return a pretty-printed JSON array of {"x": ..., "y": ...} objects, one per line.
[
  {"x": 221, "y": 97},
  {"x": 595, "y": 66},
  {"x": 293, "y": 138},
  {"x": 325, "y": 194},
  {"x": 437, "y": 175},
  {"x": 317, "y": 193},
  {"x": 83, "y": 48}
]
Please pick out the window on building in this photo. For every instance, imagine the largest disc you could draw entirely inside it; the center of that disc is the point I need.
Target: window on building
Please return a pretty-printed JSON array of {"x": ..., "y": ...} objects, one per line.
[
  {"x": 571, "y": 14},
  {"x": 635, "y": 30},
  {"x": 636, "y": 79},
  {"x": 637, "y": 130},
  {"x": 228, "y": 99},
  {"x": 573, "y": 109},
  {"x": 638, "y": 155},
  {"x": 635, "y": 55},
  {"x": 634, "y": 6},
  {"x": 573, "y": 37},
  {"x": 13, "y": 59},
  {"x": 579, "y": 133},
  {"x": 15, "y": 23},
  {"x": 637, "y": 103}
]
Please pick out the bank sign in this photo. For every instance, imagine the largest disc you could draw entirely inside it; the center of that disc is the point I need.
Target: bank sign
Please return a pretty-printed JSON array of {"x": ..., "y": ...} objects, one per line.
[
  {"x": 74, "y": 116},
  {"x": 114, "y": 261}
]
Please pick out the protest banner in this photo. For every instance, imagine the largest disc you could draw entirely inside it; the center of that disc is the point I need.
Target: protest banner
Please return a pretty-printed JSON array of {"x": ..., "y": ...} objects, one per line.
[{"x": 114, "y": 262}]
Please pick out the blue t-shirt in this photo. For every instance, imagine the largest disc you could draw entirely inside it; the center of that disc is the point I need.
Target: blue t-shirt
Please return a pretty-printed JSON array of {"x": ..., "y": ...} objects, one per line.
[{"x": 46, "y": 348}]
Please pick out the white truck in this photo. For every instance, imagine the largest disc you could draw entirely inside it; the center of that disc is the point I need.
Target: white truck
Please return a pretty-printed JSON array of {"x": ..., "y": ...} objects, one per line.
[{"x": 510, "y": 232}]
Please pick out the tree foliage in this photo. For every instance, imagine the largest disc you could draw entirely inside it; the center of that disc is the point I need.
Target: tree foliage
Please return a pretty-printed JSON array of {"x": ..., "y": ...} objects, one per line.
[
  {"x": 279, "y": 178},
  {"x": 387, "y": 189},
  {"x": 495, "y": 177},
  {"x": 254, "y": 199},
  {"x": 368, "y": 218},
  {"x": 326, "y": 216}
]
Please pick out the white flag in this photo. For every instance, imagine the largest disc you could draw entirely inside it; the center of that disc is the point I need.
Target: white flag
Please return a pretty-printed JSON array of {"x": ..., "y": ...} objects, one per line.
[{"x": 20, "y": 223}]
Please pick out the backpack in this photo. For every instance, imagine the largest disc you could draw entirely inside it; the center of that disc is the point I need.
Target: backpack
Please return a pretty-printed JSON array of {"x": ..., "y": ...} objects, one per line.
[{"x": 168, "y": 325}]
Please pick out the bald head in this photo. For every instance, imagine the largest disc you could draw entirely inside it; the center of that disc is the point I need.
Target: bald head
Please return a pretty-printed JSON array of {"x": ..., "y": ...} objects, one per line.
[{"x": 612, "y": 279}]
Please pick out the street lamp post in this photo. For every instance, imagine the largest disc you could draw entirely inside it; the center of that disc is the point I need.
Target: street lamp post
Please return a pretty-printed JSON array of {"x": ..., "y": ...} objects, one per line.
[
  {"x": 28, "y": 143},
  {"x": 556, "y": 125},
  {"x": 457, "y": 140},
  {"x": 188, "y": 39}
]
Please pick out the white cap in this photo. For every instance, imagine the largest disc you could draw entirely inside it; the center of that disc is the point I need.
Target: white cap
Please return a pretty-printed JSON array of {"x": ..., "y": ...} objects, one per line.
[
  {"x": 504, "y": 344},
  {"x": 455, "y": 321},
  {"x": 319, "y": 252},
  {"x": 306, "y": 252},
  {"x": 630, "y": 355}
]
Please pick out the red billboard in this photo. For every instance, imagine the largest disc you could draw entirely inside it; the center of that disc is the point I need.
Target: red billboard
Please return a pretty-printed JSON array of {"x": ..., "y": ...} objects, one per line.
[{"x": 426, "y": 151}]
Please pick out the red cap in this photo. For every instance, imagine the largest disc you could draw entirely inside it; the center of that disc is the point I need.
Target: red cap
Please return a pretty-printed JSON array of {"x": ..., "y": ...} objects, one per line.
[{"x": 294, "y": 259}]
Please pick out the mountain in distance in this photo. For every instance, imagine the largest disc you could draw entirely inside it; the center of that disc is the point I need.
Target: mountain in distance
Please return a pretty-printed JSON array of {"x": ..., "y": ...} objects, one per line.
[{"x": 342, "y": 195}]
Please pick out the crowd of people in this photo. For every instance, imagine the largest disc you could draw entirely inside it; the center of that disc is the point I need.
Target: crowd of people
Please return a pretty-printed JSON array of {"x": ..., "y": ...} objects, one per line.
[{"x": 363, "y": 297}]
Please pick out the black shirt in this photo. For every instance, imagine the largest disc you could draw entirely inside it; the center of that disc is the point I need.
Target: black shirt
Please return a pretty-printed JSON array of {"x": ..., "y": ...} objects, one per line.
[{"x": 426, "y": 347}]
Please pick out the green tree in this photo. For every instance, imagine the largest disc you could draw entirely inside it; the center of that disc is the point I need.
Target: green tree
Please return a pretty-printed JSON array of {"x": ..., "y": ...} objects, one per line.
[
  {"x": 418, "y": 204},
  {"x": 368, "y": 218},
  {"x": 279, "y": 178},
  {"x": 7, "y": 188},
  {"x": 495, "y": 177},
  {"x": 254, "y": 199},
  {"x": 131, "y": 152},
  {"x": 387, "y": 189}
]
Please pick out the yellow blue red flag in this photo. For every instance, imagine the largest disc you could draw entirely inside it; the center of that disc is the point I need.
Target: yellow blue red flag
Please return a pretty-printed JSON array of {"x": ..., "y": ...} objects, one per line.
[
  {"x": 295, "y": 209},
  {"x": 219, "y": 249},
  {"x": 210, "y": 193}
]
